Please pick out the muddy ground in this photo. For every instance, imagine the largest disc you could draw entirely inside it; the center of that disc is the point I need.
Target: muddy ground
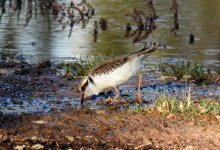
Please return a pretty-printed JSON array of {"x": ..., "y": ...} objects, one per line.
[
  {"x": 106, "y": 129},
  {"x": 84, "y": 128}
]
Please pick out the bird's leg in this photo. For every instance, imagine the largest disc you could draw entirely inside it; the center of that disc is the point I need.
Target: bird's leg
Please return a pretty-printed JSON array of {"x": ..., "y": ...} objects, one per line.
[
  {"x": 139, "y": 88},
  {"x": 116, "y": 95}
]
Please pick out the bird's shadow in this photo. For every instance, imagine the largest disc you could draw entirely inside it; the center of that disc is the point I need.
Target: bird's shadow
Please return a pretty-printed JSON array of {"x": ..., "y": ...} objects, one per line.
[{"x": 104, "y": 95}]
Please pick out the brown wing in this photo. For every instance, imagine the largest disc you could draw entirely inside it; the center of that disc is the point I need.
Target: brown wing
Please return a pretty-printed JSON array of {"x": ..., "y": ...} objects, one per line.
[{"x": 108, "y": 66}]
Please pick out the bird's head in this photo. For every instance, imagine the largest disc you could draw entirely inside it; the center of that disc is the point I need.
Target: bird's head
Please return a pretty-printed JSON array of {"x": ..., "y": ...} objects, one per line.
[{"x": 85, "y": 89}]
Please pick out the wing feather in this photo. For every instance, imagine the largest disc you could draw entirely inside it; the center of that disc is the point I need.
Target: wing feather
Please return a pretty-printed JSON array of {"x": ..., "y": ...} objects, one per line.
[{"x": 110, "y": 65}]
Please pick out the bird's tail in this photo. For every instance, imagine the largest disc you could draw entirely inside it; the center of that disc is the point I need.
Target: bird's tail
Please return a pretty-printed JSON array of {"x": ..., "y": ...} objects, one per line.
[{"x": 147, "y": 50}]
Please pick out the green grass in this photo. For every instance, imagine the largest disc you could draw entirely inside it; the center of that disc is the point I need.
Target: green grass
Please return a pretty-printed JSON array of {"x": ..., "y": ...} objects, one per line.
[
  {"x": 172, "y": 106},
  {"x": 78, "y": 68},
  {"x": 188, "y": 71},
  {"x": 137, "y": 108},
  {"x": 186, "y": 107}
]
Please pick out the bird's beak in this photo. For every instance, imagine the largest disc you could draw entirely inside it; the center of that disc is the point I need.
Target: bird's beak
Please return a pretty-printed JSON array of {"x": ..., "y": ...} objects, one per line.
[{"x": 82, "y": 97}]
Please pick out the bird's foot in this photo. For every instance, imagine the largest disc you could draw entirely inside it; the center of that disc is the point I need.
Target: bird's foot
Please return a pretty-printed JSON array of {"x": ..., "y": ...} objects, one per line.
[{"x": 110, "y": 100}]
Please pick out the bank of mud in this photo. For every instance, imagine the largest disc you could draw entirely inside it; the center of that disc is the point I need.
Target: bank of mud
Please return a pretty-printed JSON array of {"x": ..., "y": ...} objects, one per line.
[{"x": 108, "y": 129}]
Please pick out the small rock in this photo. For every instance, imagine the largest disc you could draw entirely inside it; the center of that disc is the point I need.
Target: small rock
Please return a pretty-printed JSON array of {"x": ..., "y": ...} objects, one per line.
[
  {"x": 39, "y": 122},
  {"x": 34, "y": 138},
  {"x": 20, "y": 147},
  {"x": 101, "y": 112},
  {"x": 88, "y": 137},
  {"x": 190, "y": 147},
  {"x": 37, "y": 146},
  {"x": 70, "y": 138}
]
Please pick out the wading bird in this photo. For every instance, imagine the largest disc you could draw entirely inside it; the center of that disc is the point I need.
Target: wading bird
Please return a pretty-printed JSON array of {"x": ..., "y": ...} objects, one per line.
[{"x": 112, "y": 73}]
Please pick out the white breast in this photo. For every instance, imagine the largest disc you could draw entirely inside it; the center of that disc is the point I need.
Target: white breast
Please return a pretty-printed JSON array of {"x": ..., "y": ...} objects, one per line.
[{"x": 116, "y": 77}]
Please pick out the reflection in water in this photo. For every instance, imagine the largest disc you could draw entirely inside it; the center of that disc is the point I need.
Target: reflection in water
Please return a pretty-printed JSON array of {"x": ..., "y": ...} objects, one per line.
[
  {"x": 95, "y": 31},
  {"x": 198, "y": 17},
  {"x": 174, "y": 8}
]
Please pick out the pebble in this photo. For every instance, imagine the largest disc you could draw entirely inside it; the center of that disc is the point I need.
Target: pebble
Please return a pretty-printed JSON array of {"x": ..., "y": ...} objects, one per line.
[
  {"x": 39, "y": 122},
  {"x": 190, "y": 147},
  {"x": 19, "y": 147},
  {"x": 37, "y": 147},
  {"x": 70, "y": 138}
]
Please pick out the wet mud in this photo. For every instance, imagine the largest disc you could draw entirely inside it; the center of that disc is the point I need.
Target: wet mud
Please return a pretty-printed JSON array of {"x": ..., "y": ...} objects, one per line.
[{"x": 107, "y": 129}]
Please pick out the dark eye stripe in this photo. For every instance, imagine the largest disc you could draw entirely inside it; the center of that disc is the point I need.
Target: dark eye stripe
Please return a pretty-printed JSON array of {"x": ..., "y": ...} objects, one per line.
[{"x": 91, "y": 80}]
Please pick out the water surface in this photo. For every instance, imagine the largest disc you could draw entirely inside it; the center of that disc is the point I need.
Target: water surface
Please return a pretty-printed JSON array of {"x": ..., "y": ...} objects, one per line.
[{"x": 43, "y": 37}]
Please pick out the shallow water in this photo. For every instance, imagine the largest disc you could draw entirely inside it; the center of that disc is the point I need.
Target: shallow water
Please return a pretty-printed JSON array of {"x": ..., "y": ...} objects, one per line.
[{"x": 44, "y": 37}]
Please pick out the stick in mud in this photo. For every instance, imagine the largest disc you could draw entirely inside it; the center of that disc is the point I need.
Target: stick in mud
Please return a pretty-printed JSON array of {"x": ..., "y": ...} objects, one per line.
[
  {"x": 174, "y": 8},
  {"x": 95, "y": 33}
]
